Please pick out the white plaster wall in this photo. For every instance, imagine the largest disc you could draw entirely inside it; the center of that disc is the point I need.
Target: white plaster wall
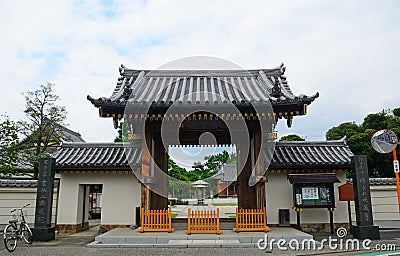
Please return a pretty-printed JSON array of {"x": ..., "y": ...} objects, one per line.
[
  {"x": 15, "y": 197},
  {"x": 121, "y": 195},
  {"x": 279, "y": 195},
  {"x": 385, "y": 208}
]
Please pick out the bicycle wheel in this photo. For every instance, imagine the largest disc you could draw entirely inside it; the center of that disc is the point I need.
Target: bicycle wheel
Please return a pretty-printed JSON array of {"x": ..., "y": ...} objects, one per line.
[
  {"x": 27, "y": 234},
  {"x": 10, "y": 238}
]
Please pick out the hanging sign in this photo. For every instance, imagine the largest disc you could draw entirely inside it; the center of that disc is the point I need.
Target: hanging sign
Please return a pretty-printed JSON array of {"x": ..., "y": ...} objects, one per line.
[{"x": 396, "y": 166}]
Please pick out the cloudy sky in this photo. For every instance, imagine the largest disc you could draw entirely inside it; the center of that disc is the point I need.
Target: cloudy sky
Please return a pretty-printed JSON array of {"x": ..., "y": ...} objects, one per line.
[{"x": 348, "y": 51}]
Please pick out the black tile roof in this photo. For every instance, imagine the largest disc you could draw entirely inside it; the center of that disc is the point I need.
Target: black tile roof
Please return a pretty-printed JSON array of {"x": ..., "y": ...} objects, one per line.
[
  {"x": 378, "y": 181},
  {"x": 162, "y": 88},
  {"x": 310, "y": 154},
  {"x": 313, "y": 178},
  {"x": 306, "y": 155},
  {"x": 226, "y": 173},
  {"x": 18, "y": 183},
  {"x": 96, "y": 155}
]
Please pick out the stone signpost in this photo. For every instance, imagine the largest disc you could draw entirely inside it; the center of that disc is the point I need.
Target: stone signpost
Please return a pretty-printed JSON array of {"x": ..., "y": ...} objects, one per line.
[
  {"x": 365, "y": 224},
  {"x": 43, "y": 231}
]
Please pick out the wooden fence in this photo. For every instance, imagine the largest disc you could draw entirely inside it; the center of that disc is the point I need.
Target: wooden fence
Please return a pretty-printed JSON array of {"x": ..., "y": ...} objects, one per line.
[
  {"x": 156, "y": 220},
  {"x": 203, "y": 221},
  {"x": 251, "y": 220}
]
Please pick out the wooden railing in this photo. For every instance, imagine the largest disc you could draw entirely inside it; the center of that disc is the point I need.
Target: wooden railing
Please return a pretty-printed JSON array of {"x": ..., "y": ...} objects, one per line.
[
  {"x": 203, "y": 221},
  {"x": 251, "y": 220},
  {"x": 156, "y": 220}
]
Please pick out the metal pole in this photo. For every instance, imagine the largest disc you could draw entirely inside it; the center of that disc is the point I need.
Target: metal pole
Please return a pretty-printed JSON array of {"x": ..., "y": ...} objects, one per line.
[
  {"x": 298, "y": 219},
  {"x": 331, "y": 220},
  {"x": 349, "y": 212},
  {"x": 397, "y": 178}
]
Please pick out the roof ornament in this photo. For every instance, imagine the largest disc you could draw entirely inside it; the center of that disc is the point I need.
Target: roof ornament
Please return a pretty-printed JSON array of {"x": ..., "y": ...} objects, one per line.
[
  {"x": 282, "y": 68},
  {"x": 276, "y": 90},
  {"x": 289, "y": 121},
  {"x": 115, "y": 121},
  {"x": 122, "y": 69}
]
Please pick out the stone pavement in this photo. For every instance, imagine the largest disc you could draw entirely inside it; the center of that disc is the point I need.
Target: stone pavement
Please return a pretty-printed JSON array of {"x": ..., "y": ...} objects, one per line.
[
  {"x": 76, "y": 245},
  {"x": 125, "y": 237}
]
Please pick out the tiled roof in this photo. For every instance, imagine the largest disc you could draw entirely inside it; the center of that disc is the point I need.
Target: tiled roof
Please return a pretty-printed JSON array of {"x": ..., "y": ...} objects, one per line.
[
  {"x": 96, "y": 155},
  {"x": 226, "y": 173},
  {"x": 309, "y": 154},
  {"x": 162, "y": 88},
  {"x": 17, "y": 183},
  {"x": 378, "y": 181},
  {"x": 313, "y": 178},
  {"x": 328, "y": 154}
]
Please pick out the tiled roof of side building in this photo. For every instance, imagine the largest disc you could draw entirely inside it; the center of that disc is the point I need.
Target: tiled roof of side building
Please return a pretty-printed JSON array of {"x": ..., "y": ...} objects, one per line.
[
  {"x": 328, "y": 154},
  {"x": 96, "y": 155},
  {"x": 162, "y": 88},
  {"x": 309, "y": 154},
  {"x": 378, "y": 181},
  {"x": 20, "y": 183}
]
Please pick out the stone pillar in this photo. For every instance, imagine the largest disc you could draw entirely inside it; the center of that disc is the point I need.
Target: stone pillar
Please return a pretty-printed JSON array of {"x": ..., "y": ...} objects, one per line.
[
  {"x": 43, "y": 231},
  {"x": 365, "y": 224}
]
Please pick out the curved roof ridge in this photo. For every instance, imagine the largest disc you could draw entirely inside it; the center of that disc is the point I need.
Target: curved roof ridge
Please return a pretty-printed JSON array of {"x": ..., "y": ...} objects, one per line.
[
  {"x": 92, "y": 144},
  {"x": 325, "y": 142}
]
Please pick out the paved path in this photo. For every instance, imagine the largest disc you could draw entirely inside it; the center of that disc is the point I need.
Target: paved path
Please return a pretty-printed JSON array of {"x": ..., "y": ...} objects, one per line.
[
  {"x": 184, "y": 211},
  {"x": 74, "y": 245}
]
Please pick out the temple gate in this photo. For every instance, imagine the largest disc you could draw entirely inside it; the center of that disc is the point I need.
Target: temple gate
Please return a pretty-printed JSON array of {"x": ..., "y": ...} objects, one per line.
[{"x": 202, "y": 107}]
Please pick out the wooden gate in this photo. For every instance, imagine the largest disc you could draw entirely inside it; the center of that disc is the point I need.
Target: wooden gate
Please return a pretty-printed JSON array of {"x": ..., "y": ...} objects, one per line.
[
  {"x": 251, "y": 220},
  {"x": 156, "y": 220},
  {"x": 203, "y": 221}
]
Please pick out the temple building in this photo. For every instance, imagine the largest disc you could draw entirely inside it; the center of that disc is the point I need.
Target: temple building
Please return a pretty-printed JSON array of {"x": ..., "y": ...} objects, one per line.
[{"x": 201, "y": 108}]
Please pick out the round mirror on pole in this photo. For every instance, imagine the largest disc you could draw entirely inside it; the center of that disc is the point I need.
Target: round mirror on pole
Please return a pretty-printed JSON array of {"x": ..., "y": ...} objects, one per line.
[{"x": 384, "y": 141}]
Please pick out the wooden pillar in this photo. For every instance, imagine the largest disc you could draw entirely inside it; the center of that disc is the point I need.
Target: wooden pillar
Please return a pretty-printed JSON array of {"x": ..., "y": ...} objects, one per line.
[
  {"x": 247, "y": 197},
  {"x": 252, "y": 197},
  {"x": 146, "y": 170},
  {"x": 259, "y": 170},
  {"x": 159, "y": 199}
]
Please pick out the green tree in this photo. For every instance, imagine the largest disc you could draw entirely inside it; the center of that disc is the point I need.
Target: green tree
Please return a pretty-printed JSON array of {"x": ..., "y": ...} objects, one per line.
[
  {"x": 359, "y": 136},
  {"x": 343, "y": 130},
  {"x": 232, "y": 158},
  {"x": 292, "y": 137},
  {"x": 43, "y": 129},
  {"x": 376, "y": 121},
  {"x": 396, "y": 112},
  {"x": 123, "y": 131},
  {"x": 9, "y": 156}
]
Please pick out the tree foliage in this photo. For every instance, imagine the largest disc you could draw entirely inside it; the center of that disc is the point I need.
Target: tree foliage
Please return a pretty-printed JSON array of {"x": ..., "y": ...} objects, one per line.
[
  {"x": 200, "y": 170},
  {"x": 292, "y": 137},
  {"x": 9, "y": 157},
  {"x": 44, "y": 127},
  {"x": 181, "y": 184},
  {"x": 358, "y": 138},
  {"x": 123, "y": 131}
]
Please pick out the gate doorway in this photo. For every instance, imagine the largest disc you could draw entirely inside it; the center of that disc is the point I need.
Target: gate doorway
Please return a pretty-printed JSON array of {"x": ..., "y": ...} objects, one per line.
[{"x": 199, "y": 178}]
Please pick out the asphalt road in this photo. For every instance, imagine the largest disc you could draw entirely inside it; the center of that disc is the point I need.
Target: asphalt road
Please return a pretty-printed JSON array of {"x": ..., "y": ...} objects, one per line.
[{"x": 67, "y": 245}]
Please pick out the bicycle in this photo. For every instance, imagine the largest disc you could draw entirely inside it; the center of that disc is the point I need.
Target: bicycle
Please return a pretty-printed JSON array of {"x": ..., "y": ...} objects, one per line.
[{"x": 12, "y": 233}]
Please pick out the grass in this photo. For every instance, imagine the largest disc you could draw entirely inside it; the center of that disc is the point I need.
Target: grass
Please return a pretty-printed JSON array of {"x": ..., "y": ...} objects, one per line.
[{"x": 225, "y": 204}]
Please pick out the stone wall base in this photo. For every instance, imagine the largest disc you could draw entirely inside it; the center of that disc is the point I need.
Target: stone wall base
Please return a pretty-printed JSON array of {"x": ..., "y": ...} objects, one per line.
[
  {"x": 72, "y": 228},
  {"x": 106, "y": 228},
  {"x": 324, "y": 227},
  {"x": 320, "y": 227}
]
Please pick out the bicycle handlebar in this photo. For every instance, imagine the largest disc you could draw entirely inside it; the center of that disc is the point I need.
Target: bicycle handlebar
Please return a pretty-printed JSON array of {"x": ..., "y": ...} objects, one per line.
[{"x": 15, "y": 209}]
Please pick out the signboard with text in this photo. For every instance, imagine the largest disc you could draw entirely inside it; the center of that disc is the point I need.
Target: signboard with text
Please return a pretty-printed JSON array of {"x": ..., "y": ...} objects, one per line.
[{"x": 314, "y": 195}]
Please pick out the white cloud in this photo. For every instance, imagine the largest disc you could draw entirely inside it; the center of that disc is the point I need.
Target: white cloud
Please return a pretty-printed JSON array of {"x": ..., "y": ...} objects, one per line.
[{"x": 346, "y": 50}]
